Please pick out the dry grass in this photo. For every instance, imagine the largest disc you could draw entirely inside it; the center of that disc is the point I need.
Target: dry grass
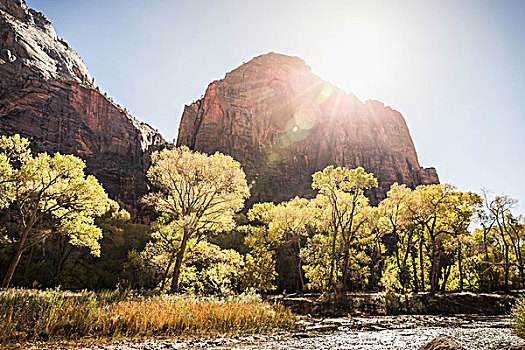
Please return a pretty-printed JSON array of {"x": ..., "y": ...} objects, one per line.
[{"x": 31, "y": 315}]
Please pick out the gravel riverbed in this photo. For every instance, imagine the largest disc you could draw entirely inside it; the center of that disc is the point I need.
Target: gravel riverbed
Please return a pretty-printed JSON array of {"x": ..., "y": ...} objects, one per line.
[
  {"x": 401, "y": 332},
  {"x": 351, "y": 333}
]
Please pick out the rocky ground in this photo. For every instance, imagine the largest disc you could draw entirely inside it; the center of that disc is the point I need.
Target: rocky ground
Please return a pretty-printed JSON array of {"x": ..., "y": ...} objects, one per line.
[
  {"x": 401, "y": 332},
  {"x": 352, "y": 333}
]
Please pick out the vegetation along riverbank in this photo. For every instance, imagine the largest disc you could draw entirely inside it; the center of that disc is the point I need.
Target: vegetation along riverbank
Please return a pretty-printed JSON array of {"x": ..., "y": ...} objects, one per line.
[
  {"x": 413, "y": 247},
  {"x": 54, "y": 315}
]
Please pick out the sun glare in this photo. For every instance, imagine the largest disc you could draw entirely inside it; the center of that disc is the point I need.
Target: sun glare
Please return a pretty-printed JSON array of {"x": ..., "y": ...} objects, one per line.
[{"x": 356, "y": 55}]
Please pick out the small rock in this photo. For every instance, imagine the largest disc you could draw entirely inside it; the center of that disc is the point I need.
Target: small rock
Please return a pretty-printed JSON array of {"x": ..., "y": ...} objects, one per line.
[
  {"x": 322, "y": 328},
  {"x": 520, "y": 346},
  {"x": 442, "y": 342},
  {"x": 300, "y": 335}
]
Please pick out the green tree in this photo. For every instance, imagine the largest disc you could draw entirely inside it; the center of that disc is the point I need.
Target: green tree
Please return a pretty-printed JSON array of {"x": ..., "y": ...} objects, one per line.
[
  {"x": 431, "y": 221},
  {"x": 486, "y": 239},
  {"x": 465, "y": 206},
  {"x": 198, "y": 193},
  {"x": 441, "y": 217},
  {"x": 259, "y": 267},
  {"x": 48, "y": 195},
  {"x": 428, "y": 207},
  {"x": 394, "y": 221},
  {"x": 60, "y": 251},
  {"x": 343, "y": 212},
  {"x": 507, "y": 231},
  {"x": 276, "y": 230},
  {"x": 317, "y": 257},
  {"x": 208, "y": 269},
  {"x": 372, "y": 243},
  {"x": 290, "y": 221}
]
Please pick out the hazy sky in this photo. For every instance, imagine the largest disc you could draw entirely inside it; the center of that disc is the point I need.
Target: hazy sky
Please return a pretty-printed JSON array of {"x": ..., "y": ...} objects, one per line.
[{"x": 455, "y": 69}]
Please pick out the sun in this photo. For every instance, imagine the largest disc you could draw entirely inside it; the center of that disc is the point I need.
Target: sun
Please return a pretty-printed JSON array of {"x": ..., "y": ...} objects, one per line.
[{"x": 358, "y": 56}]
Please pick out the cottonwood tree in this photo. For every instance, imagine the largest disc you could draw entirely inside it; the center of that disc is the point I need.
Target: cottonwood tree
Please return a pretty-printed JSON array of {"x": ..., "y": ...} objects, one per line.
[
  {"x": 441, "y": 215},
  {"x": 290, "y": 221},
  {"x": 259, "y": 268},
  {"x": 275, "y": 228},
  {"x": 259, "y": 264},
  {"x": 428, "y": 208},
  {"x": 465, "y": 206},
  {"x": 48, "y": 195},
  {"x": 395, "y": 222},
  {"x": 60, "y": 252},
  {"x": 507, "y": 231},
  {"x": 343, "y": 212},
  {"x": 317, "y": 259},
  {"x": 208, "y": 269},
  {"x": 198, "y": 193}
]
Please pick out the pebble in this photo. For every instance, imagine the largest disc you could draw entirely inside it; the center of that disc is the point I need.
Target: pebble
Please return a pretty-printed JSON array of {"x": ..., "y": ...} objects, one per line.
[{"x": 352, "y": 333}]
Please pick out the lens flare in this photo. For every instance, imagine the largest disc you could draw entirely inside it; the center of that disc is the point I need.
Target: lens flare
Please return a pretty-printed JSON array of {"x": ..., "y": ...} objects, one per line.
[
  {"x": 294, "y": 132},
  {"x": 325, "y": 93},
  {"x": 284, "y": 140},
  {"x": 273, "y": 157},
  {"x": 305, "y": 118}
]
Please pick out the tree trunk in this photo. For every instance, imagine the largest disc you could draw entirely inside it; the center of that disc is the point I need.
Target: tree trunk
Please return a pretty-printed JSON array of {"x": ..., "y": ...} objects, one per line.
[
  {"x": 398, "y": 262},
  {"x": 460, "y": 266},
  {"x": 332, "y": 265},
  {"x": 485, "y": 281},
  {"x": 178, "y": 263},
  {"x": 445, "y": 277},
  {"x": 12, "y": 267},
  {"x": 299, "y": 263},
  {"x": 422, "y": 265},
  {"x": 522, "y": 275},
  {"x": 414, "y": 269},
  {"x": 346, "y": 258},
  {"x": 165, "y": 276},
  {"x": 16, "y": 258},
  {"x": 434, "y": 269},
  {"x": 507, "y": 268},
  {"x": 61, "y": 261}
]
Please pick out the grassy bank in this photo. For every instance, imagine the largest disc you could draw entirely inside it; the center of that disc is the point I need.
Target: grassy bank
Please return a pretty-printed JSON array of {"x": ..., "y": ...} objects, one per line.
[{"x": 32, "y": 315}]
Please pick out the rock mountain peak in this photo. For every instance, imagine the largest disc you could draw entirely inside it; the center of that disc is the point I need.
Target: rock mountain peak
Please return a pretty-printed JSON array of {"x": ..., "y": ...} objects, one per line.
[
  {"x": 280, "y": 120},
  {"x": 48, "y": 96},
  {"x": 283, "y": 123},
  {"x": 31, "y": 39}
]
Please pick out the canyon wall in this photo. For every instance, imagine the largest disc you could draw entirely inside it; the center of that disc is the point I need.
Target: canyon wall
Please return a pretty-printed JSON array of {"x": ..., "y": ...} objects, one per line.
[{"x": 48, "y": 96}]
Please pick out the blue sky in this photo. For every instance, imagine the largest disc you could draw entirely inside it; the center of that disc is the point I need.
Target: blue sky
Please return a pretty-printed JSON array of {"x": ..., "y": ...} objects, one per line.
[{"x": 455, "y": 69}]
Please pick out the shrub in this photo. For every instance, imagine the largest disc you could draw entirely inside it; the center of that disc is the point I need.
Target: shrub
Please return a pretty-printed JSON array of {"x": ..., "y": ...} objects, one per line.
[{"x": 518, "y": 318}]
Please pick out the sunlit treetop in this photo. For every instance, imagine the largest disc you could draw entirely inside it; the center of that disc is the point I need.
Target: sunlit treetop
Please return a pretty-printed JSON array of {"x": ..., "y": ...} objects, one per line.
[
  {"x": 348, "y": 180},
  {"x": 196, "y": 189}
]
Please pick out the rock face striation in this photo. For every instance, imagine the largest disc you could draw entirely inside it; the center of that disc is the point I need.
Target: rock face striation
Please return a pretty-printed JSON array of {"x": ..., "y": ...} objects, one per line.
[
  {"x": 283, "y": 123},
  {"x": 48, "y": 96}
]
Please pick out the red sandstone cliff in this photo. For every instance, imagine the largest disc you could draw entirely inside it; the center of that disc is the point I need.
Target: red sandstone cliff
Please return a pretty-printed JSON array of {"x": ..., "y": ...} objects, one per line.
[
  {"x": 47, "y": 95},
  {"x": 283, "y": 123}
]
